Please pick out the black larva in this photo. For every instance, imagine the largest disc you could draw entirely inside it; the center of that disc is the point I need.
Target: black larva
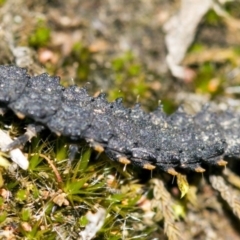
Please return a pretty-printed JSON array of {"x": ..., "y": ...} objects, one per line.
[{"x": 126, "y": 135}]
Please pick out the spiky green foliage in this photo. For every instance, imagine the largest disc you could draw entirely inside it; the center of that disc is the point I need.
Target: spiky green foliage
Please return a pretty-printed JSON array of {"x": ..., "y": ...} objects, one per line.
[{"x": 51, "y": 199}]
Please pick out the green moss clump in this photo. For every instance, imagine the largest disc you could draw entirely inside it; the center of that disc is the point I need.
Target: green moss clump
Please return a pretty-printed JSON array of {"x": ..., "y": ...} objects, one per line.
[{"x": 41, "y": 35}]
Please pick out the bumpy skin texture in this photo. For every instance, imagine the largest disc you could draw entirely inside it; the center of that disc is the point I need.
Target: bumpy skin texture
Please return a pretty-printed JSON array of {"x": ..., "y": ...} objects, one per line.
[
  {"x": 127, "y": 135},
  {"x": 13, "y": 80},
  {"x": 40, "y": 99}
]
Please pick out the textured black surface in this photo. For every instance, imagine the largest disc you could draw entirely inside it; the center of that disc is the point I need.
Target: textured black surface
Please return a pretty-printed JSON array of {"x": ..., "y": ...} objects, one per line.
[
  {"x": 126, "y": 135},
  {"x": 13, "y": 80},
  {"x": 40, "y": 99}
]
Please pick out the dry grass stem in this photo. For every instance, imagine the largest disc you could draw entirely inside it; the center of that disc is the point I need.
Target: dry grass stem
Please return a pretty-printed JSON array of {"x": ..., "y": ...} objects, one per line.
[{"x": 227, "y": 193}]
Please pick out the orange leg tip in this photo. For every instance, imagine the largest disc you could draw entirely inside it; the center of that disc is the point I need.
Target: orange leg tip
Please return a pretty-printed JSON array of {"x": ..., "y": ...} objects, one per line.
[
  {"x": 98, "y": 148},
  {"x": 199, "y": 169},
  {"x": 222, "y": 163},
  {"x": 58, "y": 134},
  {"x": 149, "y": 166},
  {"x": 124, "y": 160},
  {"x": 172, "y": 171},
  {"x": 20, "y": 115}
]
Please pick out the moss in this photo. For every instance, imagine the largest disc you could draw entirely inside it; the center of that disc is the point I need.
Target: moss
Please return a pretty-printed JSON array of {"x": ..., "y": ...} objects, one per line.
[
  {"x": 2, "y": 2},
  {"x": 131, "y": 79},
  {"x": 44, "y": 201},
  {"x": 41, "y": 35},
  {"x": 211, "y": 18}
]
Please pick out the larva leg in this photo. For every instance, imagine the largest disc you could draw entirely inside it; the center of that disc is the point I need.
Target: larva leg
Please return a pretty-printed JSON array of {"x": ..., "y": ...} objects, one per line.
[
  {"x": 72, "y": 152},
  {"x": 73, "y": 149},
  {"x": 217, "y": 161},
  {"x": 172, "y": 171},
  {"x": 31, "y": 131},
  {"x": 96, "y": 146},
  {"x": 16, "y": 155},
  {"x": 115, "y": 156},
  {"x": 143, "y": 163},
  {"x": 199, "y": 169},
  {"x": 222, "y": 163},
  {"x": 2, "y": 111}
]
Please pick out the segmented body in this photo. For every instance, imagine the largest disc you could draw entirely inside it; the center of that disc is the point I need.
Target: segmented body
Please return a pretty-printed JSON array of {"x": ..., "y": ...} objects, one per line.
[{"x": 148, "y": 140}]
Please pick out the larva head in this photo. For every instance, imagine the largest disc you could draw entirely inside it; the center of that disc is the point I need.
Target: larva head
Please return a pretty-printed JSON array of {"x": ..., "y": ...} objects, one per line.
[
  {"x": 40, "y": 99},
  {"x": 13, "y": 81}
]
